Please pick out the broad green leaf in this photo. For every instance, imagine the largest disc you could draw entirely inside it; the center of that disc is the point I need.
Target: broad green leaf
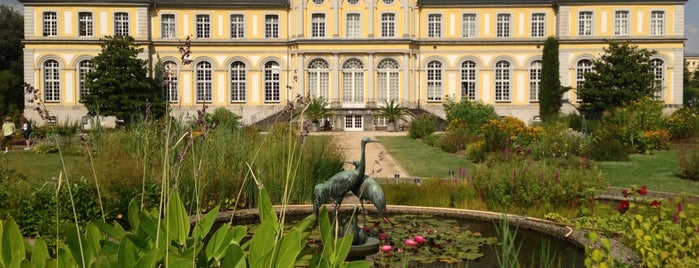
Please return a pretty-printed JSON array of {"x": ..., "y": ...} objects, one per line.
[
  {"x": 262, "y": 244},
  {"x": 605, "y": 243},
  {"x": 289, "y": 248},
  {"x": 133, "y": 215},
  {"x": 92, "y": 246},
  {"x": 342, "y": 248},
  {"x": 12, "y": 243},
  {"x": 112, "y": 231},
  {"x": 359, "y": 264},
  {"x": 138, "y": 242},
  {"x": 326, "y": 234},
  {"x": 128, "y": 255},
  {"x": 239, "y": 232},
  {"x": 74, "y": 241},
  {"x": 266, "y": 210},
  {"x": 64, "y": 259},
  {"x": 204, "y": 225},
  {"x": 148, "y": 226},
  {"x": 305, "y": 223},
  {"x": 234, "y": 257},
  {"x": 177, "y": 219},
  {"x": 149, "y": 259},
  {"x": 218, "y": 243},
  {"x": 181, "y": 263},
  {"x": 40, "y": 253}
]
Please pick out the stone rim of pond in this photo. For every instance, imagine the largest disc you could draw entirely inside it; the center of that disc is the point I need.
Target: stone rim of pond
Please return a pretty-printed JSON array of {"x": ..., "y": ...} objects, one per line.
[{"x": 619, "y": 251}]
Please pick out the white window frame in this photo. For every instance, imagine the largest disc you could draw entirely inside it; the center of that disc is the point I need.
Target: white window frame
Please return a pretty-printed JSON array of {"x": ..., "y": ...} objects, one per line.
[
  {"x": 271, "y": 26},
  {"x": 538, "y": 24},
  {"x": 388, "y": 25},
  {"x": 238, "y": 82},
  {"x": 272, "y": 80},
  {"x": 469, "y": 28},
  {"x": 534, "y": 80},
  {"x": 469, "y": 80},
  {"x": 50, "y": 23},
  {"x": 318, "y": 25},
  {"x": 204, "y": 82},
  {"x": 86, "y": 24},
  {"x": 318, "y": 83},
  {"x": 582, "y": 67},
  {"x": 503, "y": 25},
  {"x": 657, "y": 23},
  {"x": 503, "y": 81},
  {"x": 121, "y": 23},
  {"x": 658, "y": 70},
  {"x": 170, "y": 81},
  {"x": 585, "y": 23},
  {"x": 237, "y": 26},
  {"x": 434, "y": 25},
  {"x": 168, "y": 26},
  {"x": 353, "y": 82},
  {"x": 388, "y": 77},
  {"x": 203, "y": 26},
  {"x": 354, "y": 25},
  {"x": 622, "y": 22},
  {"x": 434, "y": 72},
  {"x": 84, "y": 67},
  {"x": 52, "y": 81}
]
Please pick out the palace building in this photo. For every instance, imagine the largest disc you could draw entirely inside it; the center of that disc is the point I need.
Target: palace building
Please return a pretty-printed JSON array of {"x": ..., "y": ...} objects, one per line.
[{"x": 252, "y": 56}]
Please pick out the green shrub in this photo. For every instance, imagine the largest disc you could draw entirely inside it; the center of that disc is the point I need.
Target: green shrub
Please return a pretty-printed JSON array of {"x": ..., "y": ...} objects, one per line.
[
  {"x": 476, "y": 151},
  {"x": 608, "y": 149},
  {"x": 434, "y": 193},
  {"x": 557, "y": 140},
  {"x": 688, "y": 157},
  {"x": 222, "y": 118},
  {"x": 683, "y": 123},
  {"x": 432, "y": 139},
  {"x": 45, "y": 147},
  {"x": 508, "y": 133},
  {"x": 475, "y": 114},
  {"x": 632, "y": 120},
  {"x": 422, "y": 125}
]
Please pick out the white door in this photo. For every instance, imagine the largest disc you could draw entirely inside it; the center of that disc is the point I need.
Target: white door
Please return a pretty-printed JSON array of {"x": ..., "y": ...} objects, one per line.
[{"x": 353, "y": 123}]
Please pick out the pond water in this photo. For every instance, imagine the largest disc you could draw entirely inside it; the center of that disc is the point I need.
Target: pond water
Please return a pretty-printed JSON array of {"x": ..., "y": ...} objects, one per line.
[{"x": 452, "y": 242}]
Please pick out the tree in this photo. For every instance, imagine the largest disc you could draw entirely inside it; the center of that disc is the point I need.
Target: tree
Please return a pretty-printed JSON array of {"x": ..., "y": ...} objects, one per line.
[
  {"x": 11, "y": 62},
  {"x": 550, "y": 91},
  {"x": 623, "y": 74},
  {"x": 119, "y": 84},
  {"x": 691, "y": 88}
]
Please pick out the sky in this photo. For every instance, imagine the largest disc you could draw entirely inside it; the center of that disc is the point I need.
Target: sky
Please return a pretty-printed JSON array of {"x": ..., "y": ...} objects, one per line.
[{"x": 691, "y": 22}]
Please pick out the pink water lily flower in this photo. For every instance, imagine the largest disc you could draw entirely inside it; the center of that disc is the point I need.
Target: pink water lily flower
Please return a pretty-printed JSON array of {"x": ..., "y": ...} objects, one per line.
[
  {"x": 386, "y": 248},
  {"x": 383, "y": 236},
  {"x": 410, "y": 243},
  {"x": 419, "y": 239}
]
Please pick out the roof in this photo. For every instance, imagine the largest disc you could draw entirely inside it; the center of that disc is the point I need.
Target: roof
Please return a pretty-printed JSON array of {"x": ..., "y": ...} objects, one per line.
[{"x": 207, "y": 3}]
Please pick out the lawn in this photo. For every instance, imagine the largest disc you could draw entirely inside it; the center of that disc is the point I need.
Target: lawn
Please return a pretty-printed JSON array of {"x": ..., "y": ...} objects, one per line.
[
  {"x": 38, "y": 168},
  {"x": 421, "y": 160}
]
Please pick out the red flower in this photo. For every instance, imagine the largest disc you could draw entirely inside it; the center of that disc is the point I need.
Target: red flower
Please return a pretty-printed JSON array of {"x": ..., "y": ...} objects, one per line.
[
  {"x": 623, "y": 206},
  {"x": 625, "y": 192},
  {"x": 655, "y": 204},
  {"x": 642, "y": 191}
]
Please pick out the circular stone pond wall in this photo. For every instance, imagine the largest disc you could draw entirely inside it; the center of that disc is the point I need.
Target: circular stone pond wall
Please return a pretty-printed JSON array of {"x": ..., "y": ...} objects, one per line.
[{"x": 531, "y": 227}]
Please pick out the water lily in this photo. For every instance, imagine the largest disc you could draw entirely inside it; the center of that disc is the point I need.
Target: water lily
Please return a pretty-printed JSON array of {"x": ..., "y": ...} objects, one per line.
[
  {"x": 410, "y": 243},
  {"x": 386, "y": 248},
  {"x": 383, "y": 236},
  {"x": 419, "y": 239},
  {"x": 642, "y": 191}
]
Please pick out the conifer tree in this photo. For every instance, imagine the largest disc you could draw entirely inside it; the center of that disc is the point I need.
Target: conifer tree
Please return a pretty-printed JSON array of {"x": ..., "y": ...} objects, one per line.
[{"x": 550, "y": 90}]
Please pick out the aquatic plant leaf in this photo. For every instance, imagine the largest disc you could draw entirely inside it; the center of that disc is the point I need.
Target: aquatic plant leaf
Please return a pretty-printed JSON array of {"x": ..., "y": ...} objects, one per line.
[
  {"x": 133, "y": 215},
  {"x": 180, "y": 263},
  {"x": 40, "y": 253},
  {"x": 266, "y": 210},
  {"x": 128, "y": 254},
  {"x": 359, "y": 264},
  {"x": 289, "y": 248},
  {"x": 234, "y": 257},
  {"x": 262, "y": 244},
  {"x": 177, "y": 219},
  {"x": 81, "y": 252},
  {"x": 64, "y": 259},
  {"x": 204, "y": 225},
  {"x": 150, "y": 259},
  {"x": 12, "y": 244},
  {"x": 91, "y": 243},
  {"x": 218, "y": 243},
  {"x": 115, "y": 231}
]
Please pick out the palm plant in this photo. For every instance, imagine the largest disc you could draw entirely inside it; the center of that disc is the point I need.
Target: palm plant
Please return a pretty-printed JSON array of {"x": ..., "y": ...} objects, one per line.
[
  {"x": 316, "y": 110},
  {"x": 393, "y": 111}
]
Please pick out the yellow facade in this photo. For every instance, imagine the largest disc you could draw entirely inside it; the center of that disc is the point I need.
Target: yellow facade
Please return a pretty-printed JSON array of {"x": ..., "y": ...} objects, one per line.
[{"x": 252, "y": 57}]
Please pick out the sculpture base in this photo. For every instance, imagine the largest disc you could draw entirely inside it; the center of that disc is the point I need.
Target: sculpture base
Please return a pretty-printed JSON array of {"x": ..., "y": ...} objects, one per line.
[{"x": 359, "y": 252}]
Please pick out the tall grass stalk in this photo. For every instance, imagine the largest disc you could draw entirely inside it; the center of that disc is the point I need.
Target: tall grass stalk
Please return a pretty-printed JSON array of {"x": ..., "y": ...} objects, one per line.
[
  {"x": 72, "y": 201},
  {"x": 508, "y": 253}
]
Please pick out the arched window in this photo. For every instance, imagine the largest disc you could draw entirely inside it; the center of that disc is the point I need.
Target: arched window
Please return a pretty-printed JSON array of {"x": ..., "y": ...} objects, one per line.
[
  {"x": 434, "y": 81},
  {"x": 204, "y": 82},
  {"x": 272, "y": 82},
  {"x": 84, "y": 67},
  {"x": 319, "y": 78},
  {"x": 659, "y": 75},
  {"x": 353, "y": 82},
  {"x": 534, "y": 80},
  {"x": 502, "y": 81},
  {"x": 170, "y": 81},
  {"x": 52, "y": 81},
  {"x": 238, "y": 85},
  {"x": 584, "y": 66},
  {"x": 388, "y": 80},
  {"x": 468, "y": 80}
]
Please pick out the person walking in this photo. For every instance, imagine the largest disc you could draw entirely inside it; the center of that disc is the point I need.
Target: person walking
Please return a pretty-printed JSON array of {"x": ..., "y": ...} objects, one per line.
[
  {"x": 8, "y": 129},
  {"x": 26, "y": 132}
]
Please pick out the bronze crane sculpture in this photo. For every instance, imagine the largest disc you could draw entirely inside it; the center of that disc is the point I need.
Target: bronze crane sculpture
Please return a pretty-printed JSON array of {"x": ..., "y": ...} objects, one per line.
[
  {"x": 372, "y": 191},
  {"x": 341, "y": 183}
]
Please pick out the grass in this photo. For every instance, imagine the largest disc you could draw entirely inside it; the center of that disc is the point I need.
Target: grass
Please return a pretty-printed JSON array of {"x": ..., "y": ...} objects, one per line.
[
  {"x": 39, "y": 168},
  {"x": 421, "y": 160},
  {"x": 658, "y": 172}
]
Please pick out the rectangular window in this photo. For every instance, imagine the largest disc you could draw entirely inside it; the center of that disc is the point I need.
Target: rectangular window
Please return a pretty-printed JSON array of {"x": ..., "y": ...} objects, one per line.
[
  {"x": 503, "y": 25},
  {"x": 434, "y": 25},
  {"x": 84, "y": 68},
  {"x": 52, "y": 81},
  {"x": 203, "y": 26},
  {"x": 271, "y": 26},
  {"x": 237, "y": 26},
  {"x": 354, "y": 25},
  {"x": 85, "y": 24},
  {"x": 434, "y": 81},
  {"x": 621, "y": 23},
  {"x": 388, "y": 25},
  {"x": 585, "y": 23},
  {"x": 50, "y": 24},
  {"x": 657, "y": 23},
  {"x": 318, "y": 25},
  {"x": 469, "y": 25},
  {"x": 168, "y": 26},
  {"x": 121, "y": 23},
  {"x": 538, "y": 24},
  {"x": 534, "y": 81}
]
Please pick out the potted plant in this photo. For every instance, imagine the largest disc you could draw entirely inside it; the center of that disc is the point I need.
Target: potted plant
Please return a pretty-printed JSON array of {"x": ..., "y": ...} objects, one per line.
[
  {"x": 315, "y": 111},
  {"x": 392, "y": 111}
]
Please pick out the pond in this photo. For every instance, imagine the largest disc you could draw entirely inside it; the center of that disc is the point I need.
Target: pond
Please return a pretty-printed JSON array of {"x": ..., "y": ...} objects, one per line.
[{"x": 456, "y": 242}]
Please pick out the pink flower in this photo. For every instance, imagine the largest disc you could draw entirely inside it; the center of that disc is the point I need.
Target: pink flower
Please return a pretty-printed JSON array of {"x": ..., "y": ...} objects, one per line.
[
  {"x": 386, "y": 248},
  {"x": 367, "y": 229},
  {"x": 674, "y": 218},
  {"x": 400, "y": 250},
  {"x": 410, "y": 243},
  {"x": 680, "y": 207},
  {"x": 419, "y": 239},
  {"x": 383, "y": 236}
]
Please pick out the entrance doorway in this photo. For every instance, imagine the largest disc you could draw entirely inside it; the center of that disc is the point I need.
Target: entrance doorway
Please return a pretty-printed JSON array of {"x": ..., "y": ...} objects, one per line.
[{"x": 354, "y": 123}]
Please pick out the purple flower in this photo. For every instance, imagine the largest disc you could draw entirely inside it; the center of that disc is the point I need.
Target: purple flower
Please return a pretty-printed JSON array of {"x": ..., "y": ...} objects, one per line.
[
  {"x": 674, "y": 218},
  {"x": 383, "y": 236},
  {"x": 680, "y": 207}
]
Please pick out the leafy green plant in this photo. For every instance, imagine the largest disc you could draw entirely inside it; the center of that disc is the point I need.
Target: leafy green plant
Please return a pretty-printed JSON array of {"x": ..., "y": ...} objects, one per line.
[
  {"x": 598, "y": 253},
  {"x": 422, "y": 126},
  {"x": 317, "y": 109},
  {"x": 688, "y": 158},
  {"x": 683, "y": 123},
  {"x": 508, "y": 252},
  {"x": 474, "y": 114},
  {"x": 393, "y": 112}
]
